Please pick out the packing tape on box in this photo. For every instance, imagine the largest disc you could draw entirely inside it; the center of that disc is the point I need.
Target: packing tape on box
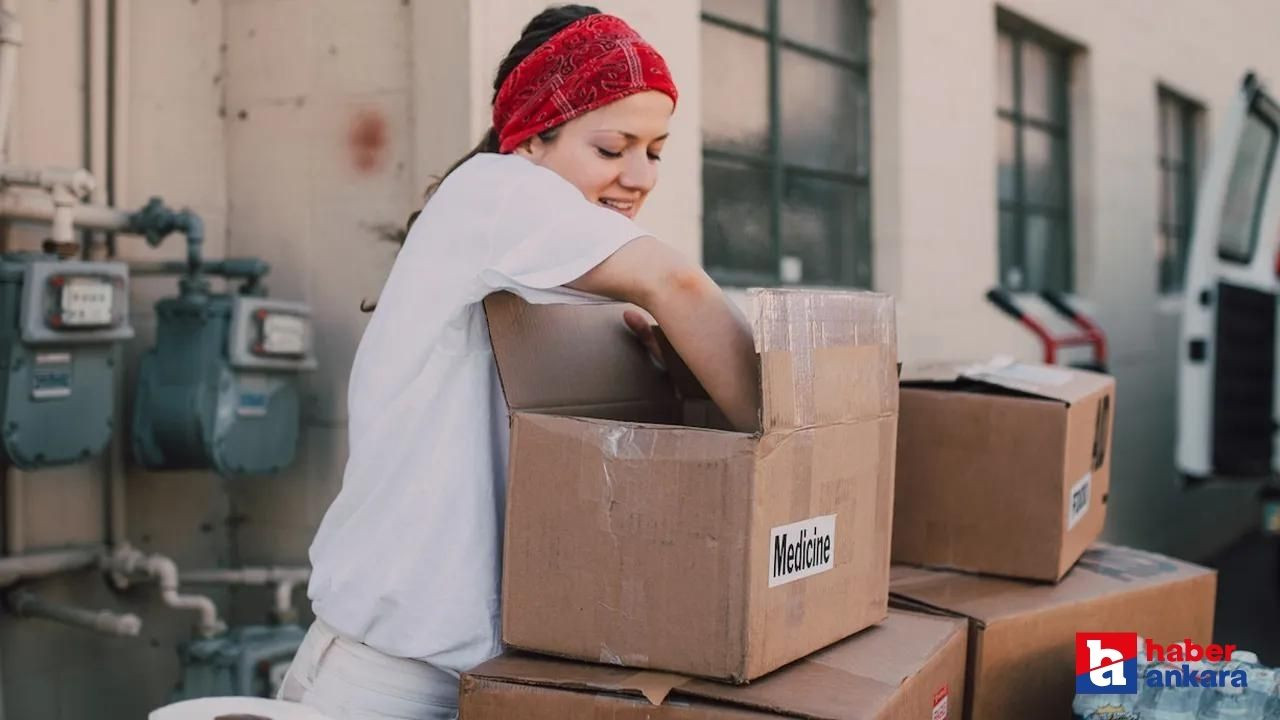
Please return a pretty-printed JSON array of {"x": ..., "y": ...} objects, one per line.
[{"x": 811, "y": 327}]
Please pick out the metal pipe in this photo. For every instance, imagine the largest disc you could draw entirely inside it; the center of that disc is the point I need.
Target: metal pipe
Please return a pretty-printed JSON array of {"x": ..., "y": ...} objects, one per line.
[
  {"x": 284, "y": 578},
  {"x": 24, "y": 603},
  {"x": 116, "y": 146},
  {"x": 166, "y": 571},
  {"x": 118, "y": 159},
  {"x": 13, "y": 569},
  {"x": 10, "y": 41},
  {"x": 36, "y": 208},
  {"x": 78, "y": 182},
  {"x": 157, "y": 267},
  {"x": 125, "y": 561},
  {"x": 97, "y": 74},
  {"x": 248, "y": 575}
]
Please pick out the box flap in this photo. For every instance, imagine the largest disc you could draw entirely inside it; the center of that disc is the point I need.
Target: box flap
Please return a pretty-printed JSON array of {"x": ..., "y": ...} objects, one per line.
[
  {"x": 574, "y": 357},
  {"x": 1103, "y": 570},
  {"x": 1052, "y": 382},
  {"x": 825, "y": 356},
  {"x": 852, "y": 679}
]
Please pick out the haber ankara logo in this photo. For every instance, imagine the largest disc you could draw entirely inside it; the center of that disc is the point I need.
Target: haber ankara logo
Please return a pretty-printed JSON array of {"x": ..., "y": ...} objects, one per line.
[{"x": 1106, "y": 663}]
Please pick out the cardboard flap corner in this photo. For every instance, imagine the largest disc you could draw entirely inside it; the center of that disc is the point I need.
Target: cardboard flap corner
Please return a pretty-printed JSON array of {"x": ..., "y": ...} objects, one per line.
[
  {"x": 1102, "y": 570},
  {"x": 526, "y": 669},
  {"x": 826, "y": 356},
  {"x": 570, "y": 356},
  {"x": 1050, "y": 382}
]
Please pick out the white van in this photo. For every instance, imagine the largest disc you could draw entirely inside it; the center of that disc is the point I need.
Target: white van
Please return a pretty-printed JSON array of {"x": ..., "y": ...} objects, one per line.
[{"x": 1228, "y": 403}]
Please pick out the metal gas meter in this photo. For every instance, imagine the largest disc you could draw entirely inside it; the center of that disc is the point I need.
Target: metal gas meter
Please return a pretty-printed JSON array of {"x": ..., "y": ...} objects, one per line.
[
  {"x": 220, "y": 388},
  {"x": 60, "y": 332}
]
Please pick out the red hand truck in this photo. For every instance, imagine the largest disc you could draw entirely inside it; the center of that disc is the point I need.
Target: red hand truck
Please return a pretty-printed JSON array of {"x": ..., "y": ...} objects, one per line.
[{"x": 1089, "y": 333}]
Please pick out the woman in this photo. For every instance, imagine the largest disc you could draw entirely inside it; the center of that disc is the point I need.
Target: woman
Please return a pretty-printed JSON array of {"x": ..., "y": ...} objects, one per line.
[{"x": 406, "y": 563}]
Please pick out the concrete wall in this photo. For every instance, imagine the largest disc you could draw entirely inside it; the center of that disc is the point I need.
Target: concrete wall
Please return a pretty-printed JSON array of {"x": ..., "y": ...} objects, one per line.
[{"x": 303, "y": 131}]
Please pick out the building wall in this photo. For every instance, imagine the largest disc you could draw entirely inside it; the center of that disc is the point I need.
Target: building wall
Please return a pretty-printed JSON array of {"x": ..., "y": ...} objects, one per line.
[
  {"x": 935, "y": 208},
  {"x": 303, "y": 132}
]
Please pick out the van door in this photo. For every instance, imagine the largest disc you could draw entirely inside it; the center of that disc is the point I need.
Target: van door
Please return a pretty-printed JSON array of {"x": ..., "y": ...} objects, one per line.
[{"x": 1227, "y": 399}]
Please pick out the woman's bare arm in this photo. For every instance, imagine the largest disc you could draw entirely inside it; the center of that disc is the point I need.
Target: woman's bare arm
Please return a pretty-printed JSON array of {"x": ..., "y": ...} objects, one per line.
[{"x": 703, "y": 325}]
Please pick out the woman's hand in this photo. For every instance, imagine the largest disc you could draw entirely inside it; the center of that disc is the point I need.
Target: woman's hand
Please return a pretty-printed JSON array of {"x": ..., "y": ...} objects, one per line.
[
  {"x": 640, "y": 327},
  {"x": 703, "y": 326}
]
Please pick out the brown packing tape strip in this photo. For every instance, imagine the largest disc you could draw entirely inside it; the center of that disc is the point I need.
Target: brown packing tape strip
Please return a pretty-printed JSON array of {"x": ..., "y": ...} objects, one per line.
[{"x": 655, "y": 686}]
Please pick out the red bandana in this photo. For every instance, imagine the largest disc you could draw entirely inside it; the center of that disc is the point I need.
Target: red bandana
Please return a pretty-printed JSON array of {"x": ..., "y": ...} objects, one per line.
[{"x": 589, "y": 64}]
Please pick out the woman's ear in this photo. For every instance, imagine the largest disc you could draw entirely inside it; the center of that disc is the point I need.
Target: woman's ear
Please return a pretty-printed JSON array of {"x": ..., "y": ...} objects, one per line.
[{"x": 530, "y": 147}]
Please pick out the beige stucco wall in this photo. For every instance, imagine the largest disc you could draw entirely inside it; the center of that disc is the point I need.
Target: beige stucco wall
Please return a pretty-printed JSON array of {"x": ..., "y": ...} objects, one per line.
[
  {"x": 935, "y": 207},
  {"x": 256, "y": 114}
]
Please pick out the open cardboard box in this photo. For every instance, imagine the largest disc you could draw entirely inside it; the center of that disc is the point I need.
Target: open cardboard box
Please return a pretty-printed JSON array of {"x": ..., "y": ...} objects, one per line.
[
  {"x": 639, "y": 533},
  {"x": 1003, "y": 467}
]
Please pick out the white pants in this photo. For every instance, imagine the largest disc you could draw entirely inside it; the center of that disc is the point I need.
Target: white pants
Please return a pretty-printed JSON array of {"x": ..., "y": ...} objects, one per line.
[{"x": 343, "y": 679}]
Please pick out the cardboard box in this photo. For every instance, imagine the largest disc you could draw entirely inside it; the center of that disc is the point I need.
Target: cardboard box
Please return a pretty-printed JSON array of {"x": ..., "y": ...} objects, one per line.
[
  {"x": 1003, "y": 468},
  {"x": 1022, "y": 634},
  {"x": 634, "y": 540},
  {"x": 909, "y": 666}
]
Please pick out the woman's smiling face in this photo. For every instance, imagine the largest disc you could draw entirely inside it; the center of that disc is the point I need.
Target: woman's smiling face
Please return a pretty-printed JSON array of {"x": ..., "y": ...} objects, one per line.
[{"x": 611, "y": 153}]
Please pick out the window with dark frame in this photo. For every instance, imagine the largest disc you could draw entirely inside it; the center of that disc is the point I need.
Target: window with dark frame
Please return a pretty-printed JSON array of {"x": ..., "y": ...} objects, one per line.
[
  {"x": 786, "y": 142},
  {"x": 1033, "y": 167},
  {"x": 1179, "y": 166}
]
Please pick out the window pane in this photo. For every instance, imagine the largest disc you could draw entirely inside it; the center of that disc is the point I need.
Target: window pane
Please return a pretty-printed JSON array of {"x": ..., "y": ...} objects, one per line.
[
  {"x": 735, "y": 87},
  {"x": 1171, "y": 129},
  {"x": 1243, "y": 201},
  {"x": 824, "y": 115},
  {"x": 1004, "y": 71},
  {"x": 1167, "y": 199},
  {"x": 824, "y": 230},
  {"x": 1042, "y": 82},
  {"x": 1168, "y": 255},
  {"x": 832, "y": 25},
  {"x": 1044, "y": 168},
  {"x": 1007, "y": 171},
  {"x": 747, "y": 12},
  {"x": 1175, "y": 211},
  {"x": 1047, "y": 263},
  {"x": 1010, "y": 258},
  {"x": 735, "y": 217}
]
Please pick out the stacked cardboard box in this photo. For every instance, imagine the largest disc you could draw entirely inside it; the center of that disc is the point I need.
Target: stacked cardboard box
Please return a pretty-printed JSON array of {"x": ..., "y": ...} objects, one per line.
[
  {"x": 660, "y": 565},
  {"x": 1003, "y": 479},
  {"x": 650, "y": 545}
]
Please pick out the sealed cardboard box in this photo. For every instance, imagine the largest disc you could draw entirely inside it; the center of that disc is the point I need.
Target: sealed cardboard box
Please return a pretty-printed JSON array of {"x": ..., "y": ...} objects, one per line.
[
  {"x": 1003, "y": 468},
  {"x": 636, "y": 537},
  {"x": 1022, "y": 634},
  {"x": 909, "y": 666}
]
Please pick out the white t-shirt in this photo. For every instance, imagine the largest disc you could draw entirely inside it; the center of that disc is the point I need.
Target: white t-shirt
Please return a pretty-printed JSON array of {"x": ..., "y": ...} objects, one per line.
[{"x": 408, "y": 556}]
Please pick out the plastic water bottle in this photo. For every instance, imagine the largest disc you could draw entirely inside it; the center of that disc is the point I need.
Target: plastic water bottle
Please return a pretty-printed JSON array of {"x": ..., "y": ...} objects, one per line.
[
  {"x": 1271, "y": 704},
  {"x": 1232, "y": 703},
  {"x": 1089, "y": 706},
  {"x": 1162, "y": 702}
]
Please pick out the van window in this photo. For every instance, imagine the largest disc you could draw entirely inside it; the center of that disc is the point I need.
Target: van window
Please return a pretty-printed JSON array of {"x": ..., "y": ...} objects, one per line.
[{"x": 1238, "y": 235}]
